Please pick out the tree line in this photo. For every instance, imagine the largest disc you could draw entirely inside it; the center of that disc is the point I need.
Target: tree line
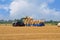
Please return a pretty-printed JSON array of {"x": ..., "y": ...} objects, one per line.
[{"x": 10, "y": 21}]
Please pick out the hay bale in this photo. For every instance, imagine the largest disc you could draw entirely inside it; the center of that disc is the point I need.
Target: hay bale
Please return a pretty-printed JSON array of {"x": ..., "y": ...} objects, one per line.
[{"x": 58, "y": 24}]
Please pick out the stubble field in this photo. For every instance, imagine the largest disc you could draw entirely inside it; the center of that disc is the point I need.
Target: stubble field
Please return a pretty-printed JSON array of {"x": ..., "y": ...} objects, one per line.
[{"x": 48, "y": 32}]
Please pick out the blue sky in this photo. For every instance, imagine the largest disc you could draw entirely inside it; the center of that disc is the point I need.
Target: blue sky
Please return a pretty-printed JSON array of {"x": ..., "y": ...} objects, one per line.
[
  {"x": 38, "y": 9},
  {"x": 56, "y": 5}
]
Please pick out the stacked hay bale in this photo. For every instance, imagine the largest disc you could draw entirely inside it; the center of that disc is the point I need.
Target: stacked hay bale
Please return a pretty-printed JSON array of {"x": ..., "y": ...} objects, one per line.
[
  {"x": 30, "y": 22},
  {"x": 38, "y": 23},
  {"x": 27, "y": 21}
]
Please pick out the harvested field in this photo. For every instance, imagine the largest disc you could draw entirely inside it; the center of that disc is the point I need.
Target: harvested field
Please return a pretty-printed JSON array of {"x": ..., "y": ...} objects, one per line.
[{"x": 48, "y": 32}]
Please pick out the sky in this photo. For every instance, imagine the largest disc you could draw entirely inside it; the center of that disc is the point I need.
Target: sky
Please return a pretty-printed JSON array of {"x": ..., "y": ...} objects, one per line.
[{"x": 37, "y": 9}]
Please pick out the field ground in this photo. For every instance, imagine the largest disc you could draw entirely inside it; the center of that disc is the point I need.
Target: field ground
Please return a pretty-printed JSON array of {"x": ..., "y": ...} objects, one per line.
[{"x": 48, "y": 32}]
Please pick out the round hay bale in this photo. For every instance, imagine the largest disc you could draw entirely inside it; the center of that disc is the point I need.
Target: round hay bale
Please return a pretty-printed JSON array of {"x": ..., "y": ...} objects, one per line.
[{"x": 58, "y": 24}]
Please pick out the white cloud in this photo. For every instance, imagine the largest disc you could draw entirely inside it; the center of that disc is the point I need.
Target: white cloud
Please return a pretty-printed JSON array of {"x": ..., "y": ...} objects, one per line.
[
  {"x": 1, "y": 17},
  {"x": 4, "y": 7},
  {"x": 17, "y": 6},
  {"x": 21, "y": 8},
  {"x": 47, "y": 13},
  {"x": 51, "y": 1}
]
